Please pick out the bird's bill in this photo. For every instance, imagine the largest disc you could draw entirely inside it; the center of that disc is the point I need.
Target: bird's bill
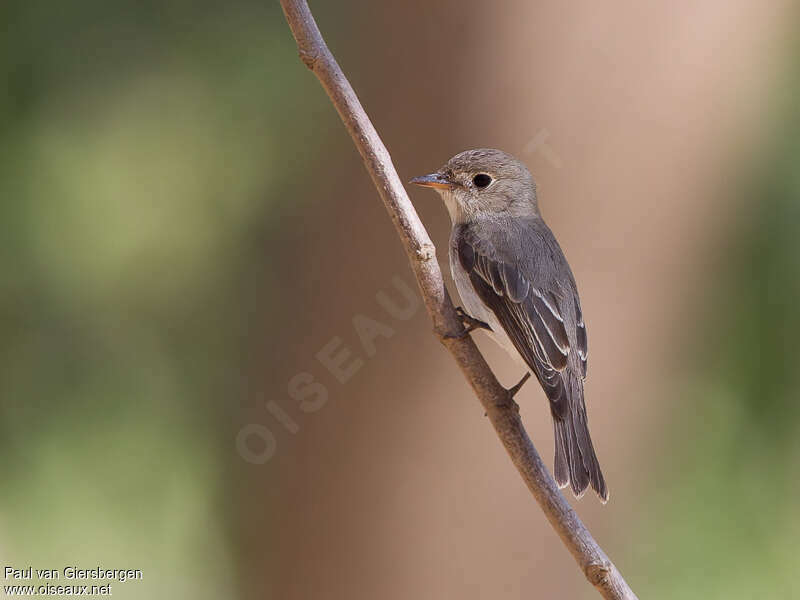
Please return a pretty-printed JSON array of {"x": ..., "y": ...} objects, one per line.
[{"x": 433, "y": 180}]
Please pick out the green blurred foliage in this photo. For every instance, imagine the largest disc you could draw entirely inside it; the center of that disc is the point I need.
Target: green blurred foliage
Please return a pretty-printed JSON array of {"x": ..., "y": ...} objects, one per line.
[
  {"x": 721, "y": 518},
  {"x": 144, "y": 147},
  {"x": 147, "y": 157}
]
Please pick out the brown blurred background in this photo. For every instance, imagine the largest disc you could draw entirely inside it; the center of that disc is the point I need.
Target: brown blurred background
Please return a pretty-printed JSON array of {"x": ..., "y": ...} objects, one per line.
[{"x": 188, "y": 226}]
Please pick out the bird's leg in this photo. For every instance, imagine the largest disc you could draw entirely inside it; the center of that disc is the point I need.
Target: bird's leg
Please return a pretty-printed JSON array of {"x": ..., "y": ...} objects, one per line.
[{"x": 469, "y": 322}]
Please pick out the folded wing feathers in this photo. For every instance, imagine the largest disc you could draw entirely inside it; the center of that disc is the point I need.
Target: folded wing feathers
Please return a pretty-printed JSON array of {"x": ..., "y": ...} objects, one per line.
[
  {"x": 537, "y": 315},
  {"x": 583, "y": 348},
  {"x": 532, "y": 319},
  {"x": 515, "y": 285}
]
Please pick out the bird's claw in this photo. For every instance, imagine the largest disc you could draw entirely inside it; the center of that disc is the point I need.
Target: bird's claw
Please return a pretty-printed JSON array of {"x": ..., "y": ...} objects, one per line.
[{"x": 469, "y": 322}]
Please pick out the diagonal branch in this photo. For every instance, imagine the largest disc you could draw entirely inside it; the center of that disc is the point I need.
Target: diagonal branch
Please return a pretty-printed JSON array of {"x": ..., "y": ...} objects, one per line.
[{"x": 497, "y": 403}]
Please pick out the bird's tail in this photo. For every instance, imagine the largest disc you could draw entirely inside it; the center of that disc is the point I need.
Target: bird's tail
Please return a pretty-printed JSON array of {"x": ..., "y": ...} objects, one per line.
[{"x": 575, "y": 461}]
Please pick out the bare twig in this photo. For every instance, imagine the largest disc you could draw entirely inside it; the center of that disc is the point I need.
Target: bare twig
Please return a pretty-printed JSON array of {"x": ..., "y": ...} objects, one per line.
[{"x": 597, "y": 567}]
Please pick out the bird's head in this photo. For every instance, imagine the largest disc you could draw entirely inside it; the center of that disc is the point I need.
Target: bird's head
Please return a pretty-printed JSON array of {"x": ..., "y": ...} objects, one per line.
[{"x": 483, "y": 182}]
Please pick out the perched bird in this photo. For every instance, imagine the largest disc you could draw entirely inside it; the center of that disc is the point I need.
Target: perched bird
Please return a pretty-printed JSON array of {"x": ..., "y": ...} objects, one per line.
[{"x": 514, "y": 280}]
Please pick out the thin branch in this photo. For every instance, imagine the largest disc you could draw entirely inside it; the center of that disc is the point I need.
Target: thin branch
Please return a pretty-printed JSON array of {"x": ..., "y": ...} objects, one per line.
[{"x": 499, "y": 407}]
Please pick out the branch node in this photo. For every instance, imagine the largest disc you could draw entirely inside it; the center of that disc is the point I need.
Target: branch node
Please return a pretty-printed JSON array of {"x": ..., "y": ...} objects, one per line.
[
  {"x": 426, "y": 252},
  {"x": 598, "y": 573},
  {"x": 308, "y": 57}
]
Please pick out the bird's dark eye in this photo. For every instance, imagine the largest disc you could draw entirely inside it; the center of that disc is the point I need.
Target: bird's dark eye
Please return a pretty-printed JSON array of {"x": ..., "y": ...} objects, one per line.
[{"x": 481, "y": 180}]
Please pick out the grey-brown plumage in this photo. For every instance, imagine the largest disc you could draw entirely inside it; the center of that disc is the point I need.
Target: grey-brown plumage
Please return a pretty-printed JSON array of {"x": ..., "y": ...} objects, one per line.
[{"x": 511, "y": 273}]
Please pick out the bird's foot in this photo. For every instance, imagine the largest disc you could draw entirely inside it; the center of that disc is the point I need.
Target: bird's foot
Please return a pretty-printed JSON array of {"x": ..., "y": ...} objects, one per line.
[{"x": 469, "y": 322}]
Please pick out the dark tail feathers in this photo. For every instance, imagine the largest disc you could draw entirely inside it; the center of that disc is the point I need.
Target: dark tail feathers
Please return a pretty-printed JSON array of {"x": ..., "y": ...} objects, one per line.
[{"x": 576, "y": 462}]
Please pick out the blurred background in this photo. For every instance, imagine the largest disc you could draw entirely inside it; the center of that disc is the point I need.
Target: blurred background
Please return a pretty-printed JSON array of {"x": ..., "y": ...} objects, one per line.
[{"x": 187, "y": 233}]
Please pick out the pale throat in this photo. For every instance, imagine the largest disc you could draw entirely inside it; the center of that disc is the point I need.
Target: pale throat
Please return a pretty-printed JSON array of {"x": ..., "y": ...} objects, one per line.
[{"x": 452, "y": 205}]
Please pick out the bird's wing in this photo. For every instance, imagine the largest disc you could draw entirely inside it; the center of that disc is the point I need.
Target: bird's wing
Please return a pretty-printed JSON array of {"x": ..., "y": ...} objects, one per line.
[
  {"x": 537, "y": 314},
  {"x": 531, "y": 316}
]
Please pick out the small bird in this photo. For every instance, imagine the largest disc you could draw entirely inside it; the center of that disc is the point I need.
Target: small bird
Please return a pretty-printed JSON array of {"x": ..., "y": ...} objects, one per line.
[{"x": 514, "y": 280}]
